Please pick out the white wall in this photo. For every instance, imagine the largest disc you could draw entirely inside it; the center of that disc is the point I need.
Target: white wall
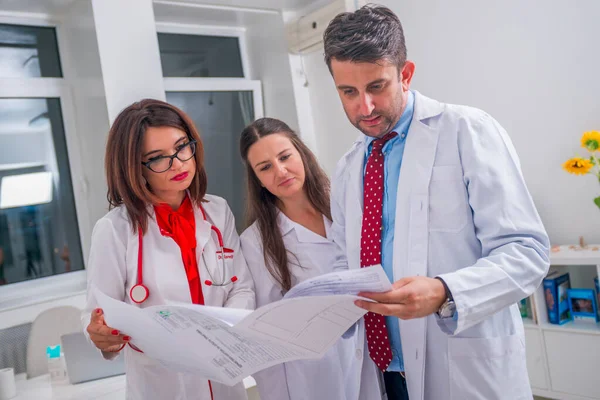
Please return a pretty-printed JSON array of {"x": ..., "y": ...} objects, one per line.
[
  {"x": 81, "y": 65},
  {"x": 131, "y": 69},
  {"x": 333, "y": 132},
  {"x": 269, "y": 62},
  {"x": 532, "y": 65}
]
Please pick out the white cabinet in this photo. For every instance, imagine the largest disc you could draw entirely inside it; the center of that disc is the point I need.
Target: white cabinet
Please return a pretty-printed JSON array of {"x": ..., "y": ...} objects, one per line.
[
  {"x": 536, "y": 359},
  {"x": 573, "y": 359},
  {"x": 563, "y": 360}
]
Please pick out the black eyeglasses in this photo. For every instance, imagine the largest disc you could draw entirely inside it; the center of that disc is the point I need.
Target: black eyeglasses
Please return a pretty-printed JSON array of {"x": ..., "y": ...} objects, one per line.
[{"x": 163, "y": 163}]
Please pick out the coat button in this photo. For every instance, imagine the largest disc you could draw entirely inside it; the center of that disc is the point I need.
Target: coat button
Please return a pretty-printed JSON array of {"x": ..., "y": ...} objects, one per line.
[{"x": 358, "y": 354}]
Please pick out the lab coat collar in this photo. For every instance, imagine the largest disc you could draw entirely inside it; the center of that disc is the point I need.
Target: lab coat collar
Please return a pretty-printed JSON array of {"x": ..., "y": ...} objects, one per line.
[
  {"x": 413, "y": 191},
  {"x": 424, "y": 108},
  {"x": 303, "y": 235}
]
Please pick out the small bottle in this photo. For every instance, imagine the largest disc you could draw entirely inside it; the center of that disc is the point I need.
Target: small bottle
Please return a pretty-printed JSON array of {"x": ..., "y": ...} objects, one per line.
[{"x": 56, "y": 365}]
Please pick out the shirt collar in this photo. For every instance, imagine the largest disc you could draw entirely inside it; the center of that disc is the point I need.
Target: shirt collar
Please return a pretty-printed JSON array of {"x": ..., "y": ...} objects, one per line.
[
  {"x": 286, "y": 225},
  {"x": 401, "y": 126}
]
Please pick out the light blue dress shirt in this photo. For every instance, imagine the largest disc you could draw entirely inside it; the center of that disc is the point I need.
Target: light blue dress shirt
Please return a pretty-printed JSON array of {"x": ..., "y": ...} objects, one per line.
[{"x": 393, "y": 151}]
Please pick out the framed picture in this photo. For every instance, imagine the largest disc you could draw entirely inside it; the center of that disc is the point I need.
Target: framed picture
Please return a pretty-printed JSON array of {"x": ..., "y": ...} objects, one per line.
[{"x": 582, "y": 303}]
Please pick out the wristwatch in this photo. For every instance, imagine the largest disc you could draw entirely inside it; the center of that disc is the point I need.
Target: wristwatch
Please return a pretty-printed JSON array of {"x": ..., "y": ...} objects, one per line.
[{"x": 448, "y": 308}]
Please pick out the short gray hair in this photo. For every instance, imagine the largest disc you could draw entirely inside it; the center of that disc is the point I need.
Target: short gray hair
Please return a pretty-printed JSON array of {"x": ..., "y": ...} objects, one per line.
[{"x": 369, "y": 34}]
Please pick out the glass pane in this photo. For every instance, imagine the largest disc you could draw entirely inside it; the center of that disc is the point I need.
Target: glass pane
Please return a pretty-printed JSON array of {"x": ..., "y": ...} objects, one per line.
[
  {"x": 28, "y": 52},
  {"x": 39, "y": 235},
  {"x": 200, "y": 56},
  {"x": 220, "y": 117}
]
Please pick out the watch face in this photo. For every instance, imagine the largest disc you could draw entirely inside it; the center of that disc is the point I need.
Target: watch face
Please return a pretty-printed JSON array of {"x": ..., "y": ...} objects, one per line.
[{"x": 448, "y": 309}]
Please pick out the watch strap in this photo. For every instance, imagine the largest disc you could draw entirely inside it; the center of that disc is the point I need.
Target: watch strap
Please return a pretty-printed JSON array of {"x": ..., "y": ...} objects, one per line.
[{"x": 448, "y": 293}]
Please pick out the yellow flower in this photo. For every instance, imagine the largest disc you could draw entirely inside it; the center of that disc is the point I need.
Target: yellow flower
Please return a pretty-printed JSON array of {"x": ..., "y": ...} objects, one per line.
[
  {"x": 591, "y": 140},
  {"x": 578, "y": 166}
]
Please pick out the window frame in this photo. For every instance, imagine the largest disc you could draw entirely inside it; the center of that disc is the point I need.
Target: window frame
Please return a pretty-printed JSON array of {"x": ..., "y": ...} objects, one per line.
[
  {"x": 19, "y": 300},
  {"x": 219, "y": 85},
  {"x": 195, "y": 84},
  {"x": 209, "y": 30}
]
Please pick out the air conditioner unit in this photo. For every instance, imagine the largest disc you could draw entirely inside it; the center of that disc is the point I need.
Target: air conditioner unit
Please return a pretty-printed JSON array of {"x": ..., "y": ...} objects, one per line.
[{"x": 305, "y": 34}]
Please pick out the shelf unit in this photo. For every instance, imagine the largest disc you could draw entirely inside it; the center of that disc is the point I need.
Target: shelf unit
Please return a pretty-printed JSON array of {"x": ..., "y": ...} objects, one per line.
[{"x": 563, "y": 360}]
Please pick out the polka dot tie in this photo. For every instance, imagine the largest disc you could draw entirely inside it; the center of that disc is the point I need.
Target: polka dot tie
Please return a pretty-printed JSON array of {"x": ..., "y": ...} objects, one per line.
[{"x": 370, "y": 248}]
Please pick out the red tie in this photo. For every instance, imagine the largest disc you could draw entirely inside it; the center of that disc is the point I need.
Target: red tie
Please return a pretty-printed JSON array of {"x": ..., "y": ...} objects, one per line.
[{"x": 370, "y": 249}]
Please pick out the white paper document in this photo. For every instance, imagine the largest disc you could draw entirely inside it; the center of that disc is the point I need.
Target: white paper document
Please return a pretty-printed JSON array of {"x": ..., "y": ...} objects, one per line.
[{"x": 226, "y": 345}]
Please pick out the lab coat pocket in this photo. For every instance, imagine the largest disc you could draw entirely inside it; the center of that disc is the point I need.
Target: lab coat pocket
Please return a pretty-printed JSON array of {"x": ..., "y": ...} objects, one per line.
[
  {"x": 448, "y": 203},
  {"x": 488, "y": 368}
]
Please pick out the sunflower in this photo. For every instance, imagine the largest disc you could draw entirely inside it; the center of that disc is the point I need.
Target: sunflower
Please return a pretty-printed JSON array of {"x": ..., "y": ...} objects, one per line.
[
  {"x": 578, "y": 166},
  {"x": 591, "y": 140}
]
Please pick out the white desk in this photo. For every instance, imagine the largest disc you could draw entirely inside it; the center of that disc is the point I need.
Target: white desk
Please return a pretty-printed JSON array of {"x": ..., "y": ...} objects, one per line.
[
  {"x": 39, "y": 388},
  {"x": 112, "y": 388}
]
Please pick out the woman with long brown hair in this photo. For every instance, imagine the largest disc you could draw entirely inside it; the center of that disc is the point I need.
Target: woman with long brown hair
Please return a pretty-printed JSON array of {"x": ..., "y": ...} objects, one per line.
[
  {"x": 288, "y": 241},
  {"x": 163, "y": 223}
]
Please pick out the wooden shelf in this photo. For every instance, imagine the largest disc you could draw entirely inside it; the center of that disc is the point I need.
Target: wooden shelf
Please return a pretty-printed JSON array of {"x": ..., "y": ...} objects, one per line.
[{"x": 574, "y": 255}]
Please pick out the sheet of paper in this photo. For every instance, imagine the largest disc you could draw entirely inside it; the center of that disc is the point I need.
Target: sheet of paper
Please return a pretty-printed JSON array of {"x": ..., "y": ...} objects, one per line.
[
  {"x": 312, "y": 324},
  {"x": 230, "y": 316},
  {"x": 371, "y": 279},
  {"x": 151, "y": 332},
  {"x": 226, "y": 345},
  {"x": 229, "y": 355},
  {"x": 185, "y": 339}
]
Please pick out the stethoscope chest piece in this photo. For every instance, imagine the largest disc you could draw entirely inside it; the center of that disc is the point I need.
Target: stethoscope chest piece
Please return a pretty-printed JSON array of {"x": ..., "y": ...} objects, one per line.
[{"x": 139, "y": 293}]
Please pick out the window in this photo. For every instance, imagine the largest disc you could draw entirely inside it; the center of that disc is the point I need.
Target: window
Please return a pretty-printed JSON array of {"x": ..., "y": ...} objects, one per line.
[
  {"x": 204, "y": 76},
  {"x": 221, "y": 117},
  {"x": 28, "y": 52},
  {"x": 200, "y": 56},
  {"x": 39, "y": 230}
]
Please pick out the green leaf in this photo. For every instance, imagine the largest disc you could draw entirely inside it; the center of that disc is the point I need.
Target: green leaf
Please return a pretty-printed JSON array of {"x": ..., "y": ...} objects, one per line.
[{"x": 597, "y": 201}]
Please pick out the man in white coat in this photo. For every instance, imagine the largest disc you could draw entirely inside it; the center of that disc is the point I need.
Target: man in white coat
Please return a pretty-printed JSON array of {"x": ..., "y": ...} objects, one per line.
[{"x": 446, "y": 212}]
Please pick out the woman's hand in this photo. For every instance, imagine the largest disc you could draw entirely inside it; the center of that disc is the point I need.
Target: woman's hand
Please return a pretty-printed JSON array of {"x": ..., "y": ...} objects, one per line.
[{"x": 104, "y": 337}]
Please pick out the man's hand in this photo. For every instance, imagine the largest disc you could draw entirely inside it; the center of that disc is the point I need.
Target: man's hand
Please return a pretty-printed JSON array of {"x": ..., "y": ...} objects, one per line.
[{"x": 412, "y": 297}]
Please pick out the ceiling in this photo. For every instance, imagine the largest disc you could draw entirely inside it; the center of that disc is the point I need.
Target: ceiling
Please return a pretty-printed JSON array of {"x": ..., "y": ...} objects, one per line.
[
  {"x": 51, "y": 7},
  {"x": 264, "y": 4},
  {"x": 58, "y": 7}
]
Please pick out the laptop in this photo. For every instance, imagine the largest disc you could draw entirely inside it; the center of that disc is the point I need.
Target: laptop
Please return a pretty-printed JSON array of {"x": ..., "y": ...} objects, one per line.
[{"x": 85, "y": 362}]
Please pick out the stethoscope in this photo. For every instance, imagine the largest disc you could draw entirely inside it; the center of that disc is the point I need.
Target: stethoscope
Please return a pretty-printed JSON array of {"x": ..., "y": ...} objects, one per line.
[{"x": 139, "y": 292}]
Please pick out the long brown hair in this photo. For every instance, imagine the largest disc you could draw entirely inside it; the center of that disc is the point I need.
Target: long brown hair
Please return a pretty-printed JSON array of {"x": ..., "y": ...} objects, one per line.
[
  {"x": 262, "y": 204},
  {"x": 123, "y": 159}
]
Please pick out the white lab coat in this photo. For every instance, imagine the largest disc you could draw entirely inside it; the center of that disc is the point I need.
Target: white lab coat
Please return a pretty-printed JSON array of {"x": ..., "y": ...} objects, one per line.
[
  {"x": 463, "y": 213},
  {"x": 112, "y": 268},
  {"x": 344, "y": 373}
]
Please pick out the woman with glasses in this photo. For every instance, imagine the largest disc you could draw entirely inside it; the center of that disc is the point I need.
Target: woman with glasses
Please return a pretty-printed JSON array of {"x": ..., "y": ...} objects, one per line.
[
  {"x": 289, "y": 240},
  {"x": 164, "y": 240}
]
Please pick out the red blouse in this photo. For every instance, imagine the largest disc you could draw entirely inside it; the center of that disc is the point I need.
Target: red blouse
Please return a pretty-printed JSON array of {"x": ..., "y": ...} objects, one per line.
[{"x": 180, "y": 225}]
